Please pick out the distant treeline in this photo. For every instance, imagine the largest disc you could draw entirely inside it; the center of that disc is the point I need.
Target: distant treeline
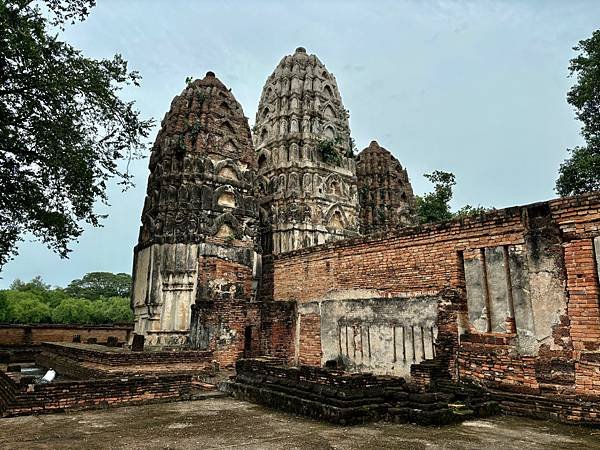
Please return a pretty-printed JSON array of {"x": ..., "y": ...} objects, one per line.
[{"x": 97, "y": 298}]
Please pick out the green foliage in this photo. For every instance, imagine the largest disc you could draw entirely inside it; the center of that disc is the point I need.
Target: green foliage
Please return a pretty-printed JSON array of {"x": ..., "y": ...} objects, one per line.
[
  {"x": 435, "y": 206},
  {"x": 35, "y": 285},
  {"x": 103, "y": 311},
  {"x": 73, "y": 310},
  {"x": 585, "y": 94},
  {"x": 36, "y": 302},
  {"x": 3, "y": 307},
  {"x": 63, "y": 128},
  {"x": 328, "y": 150},
  {"x": 114, "y": 310},
  {"x": 580, "y": 172},
  {"x": 470, "y": 211},
  {"x": 94, "y": 285},
  {"x": 29, "y": 310}
]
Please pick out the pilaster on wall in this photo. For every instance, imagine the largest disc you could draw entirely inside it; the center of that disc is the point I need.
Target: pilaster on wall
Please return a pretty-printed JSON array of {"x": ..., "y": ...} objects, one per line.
[
  {"x": 309, "y": 342},
  {"x": 582, "y": 286}
]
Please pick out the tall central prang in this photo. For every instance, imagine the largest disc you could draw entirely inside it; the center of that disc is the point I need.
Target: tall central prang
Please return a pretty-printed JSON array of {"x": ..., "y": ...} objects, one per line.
[{"x": 306, "y": 168}]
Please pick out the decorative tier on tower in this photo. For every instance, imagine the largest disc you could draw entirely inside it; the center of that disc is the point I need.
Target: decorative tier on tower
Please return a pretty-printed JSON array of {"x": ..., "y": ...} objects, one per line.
[
  {"x": 307, "y": 172},
  {"x": 200, "y": 217},
  {"x": 384, "y": 191}
]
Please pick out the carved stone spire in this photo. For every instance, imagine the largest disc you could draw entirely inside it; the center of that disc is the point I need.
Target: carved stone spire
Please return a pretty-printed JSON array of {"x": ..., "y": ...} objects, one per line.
[
  {"x": 385, "y": 193},
  {"x": 200, "y": 220},
  {"x": 305, "y": 159},
  {"x": 201, "y": 168}
]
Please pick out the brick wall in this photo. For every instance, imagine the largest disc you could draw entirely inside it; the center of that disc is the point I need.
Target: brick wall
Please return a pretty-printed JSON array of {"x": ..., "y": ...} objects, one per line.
[
  {"x": 221, "y": 278},
  {"x": 8, "y": 390},
  {"x": 429, "y": 259},
  {"x": 277, "y": 329},
  {"x": 582, "y": 285},
  {"x": 91, "y": 394},
  {"x": 36, "y": 334}
]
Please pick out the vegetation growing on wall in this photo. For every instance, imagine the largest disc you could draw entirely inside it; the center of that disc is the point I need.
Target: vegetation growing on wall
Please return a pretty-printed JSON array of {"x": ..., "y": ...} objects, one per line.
[
  {"x": 327, "y": 148},
  {"x": 97, "y": 298}
]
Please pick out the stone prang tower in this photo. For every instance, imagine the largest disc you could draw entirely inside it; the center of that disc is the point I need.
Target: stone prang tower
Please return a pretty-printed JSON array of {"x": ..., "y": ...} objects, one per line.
[
  {"x": 307, "y": 173},
  {"x": 199, "y": 223},
  {"x": 386, "y": 197}
]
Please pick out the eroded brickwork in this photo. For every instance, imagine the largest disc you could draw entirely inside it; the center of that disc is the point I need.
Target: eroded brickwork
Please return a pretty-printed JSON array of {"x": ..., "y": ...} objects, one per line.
[
  {"x": 309, "y": 340},
  {"x": 537, "y": 286},
  {"x": 228, "y": 259},
  {"x": 18, "y": 335}
]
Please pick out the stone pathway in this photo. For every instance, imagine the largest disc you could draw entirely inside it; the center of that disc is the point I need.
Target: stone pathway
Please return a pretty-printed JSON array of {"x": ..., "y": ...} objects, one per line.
[{"x": 227, "y": 423}]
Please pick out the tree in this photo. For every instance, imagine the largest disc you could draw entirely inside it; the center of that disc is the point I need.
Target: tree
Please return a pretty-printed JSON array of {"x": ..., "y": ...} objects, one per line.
[
  {"x": 43, "y": 291},
  {"x": 64, "y": 131},
  {"x": 28, "y": 311},
  {"x": 119, "y": 310},
  {"x": 73, "y": 310},
  {"x": 580, "y": 172},
  {"x": 35, "y": 285},
  {"x": 35, "y": 301},
  {"x": 4, "y": 314},
  {"x": 435, "y": 206},
  {"x": 94, "y": 285}
]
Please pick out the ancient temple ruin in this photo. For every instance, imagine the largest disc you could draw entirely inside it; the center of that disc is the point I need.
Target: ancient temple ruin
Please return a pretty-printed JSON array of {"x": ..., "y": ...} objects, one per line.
[
  {"x": 307, "y": 172},
  {"x": 197, "y": 242},
  {"x": 290, "y": 246},
  {"x": 384, "y": 191}
]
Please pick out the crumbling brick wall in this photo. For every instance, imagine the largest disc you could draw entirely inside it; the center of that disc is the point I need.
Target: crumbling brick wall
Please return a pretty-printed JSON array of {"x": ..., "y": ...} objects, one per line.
[
  {"x": 552, "y": 243},
  {"x": 309, "y": 340},
  {"x": 92, "y": 394}
]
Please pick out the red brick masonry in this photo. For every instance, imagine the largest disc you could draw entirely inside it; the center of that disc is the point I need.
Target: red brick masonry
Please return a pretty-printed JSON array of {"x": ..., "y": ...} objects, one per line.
[{"x": 429, "y": 260}]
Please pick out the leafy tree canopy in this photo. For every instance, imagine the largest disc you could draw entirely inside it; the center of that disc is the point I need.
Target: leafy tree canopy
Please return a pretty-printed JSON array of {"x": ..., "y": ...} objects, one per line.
[
  {"x": 580, "y": 172},
  {"x": 30, "y": 310},
  {"x": 36, "y": 284},
  {"x": 435, "y": 206},
  {"x": 35, "y": 302},
  {"x": 94, "y": 285},
  {"x": 63, "y": 127}
]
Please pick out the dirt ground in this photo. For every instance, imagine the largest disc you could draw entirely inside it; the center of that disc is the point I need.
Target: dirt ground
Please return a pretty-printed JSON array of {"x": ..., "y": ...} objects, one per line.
[{"x": 227, "y": 423}]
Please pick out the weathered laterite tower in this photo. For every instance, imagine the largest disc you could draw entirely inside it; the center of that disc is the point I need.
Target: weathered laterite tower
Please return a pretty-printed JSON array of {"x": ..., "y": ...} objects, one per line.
[
  {"x": 195, "y": 260},
  {"x": 385, "y": 194},
  {"x": 307, "y": 172}
]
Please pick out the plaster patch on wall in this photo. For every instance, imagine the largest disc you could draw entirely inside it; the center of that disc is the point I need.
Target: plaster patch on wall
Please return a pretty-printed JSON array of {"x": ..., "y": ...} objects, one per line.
[{"x": 379, "y": 335}]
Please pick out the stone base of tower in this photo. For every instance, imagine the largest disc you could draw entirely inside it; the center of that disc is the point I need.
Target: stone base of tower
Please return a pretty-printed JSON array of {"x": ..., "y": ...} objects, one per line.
[
  {"x": 164, "y": 288},
  {"x": 196, "y": 295}
]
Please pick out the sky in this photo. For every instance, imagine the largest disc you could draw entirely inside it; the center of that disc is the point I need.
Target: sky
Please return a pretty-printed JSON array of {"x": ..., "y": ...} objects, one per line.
[{"x": 476, "y": 88}]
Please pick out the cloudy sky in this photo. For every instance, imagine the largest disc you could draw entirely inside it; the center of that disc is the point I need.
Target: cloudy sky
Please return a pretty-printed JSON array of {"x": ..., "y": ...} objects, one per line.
[{"x": 472, "y": 87}]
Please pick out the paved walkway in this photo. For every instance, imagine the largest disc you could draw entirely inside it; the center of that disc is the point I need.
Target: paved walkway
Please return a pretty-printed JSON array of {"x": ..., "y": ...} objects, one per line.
[{"x": 227, "y": 423}]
